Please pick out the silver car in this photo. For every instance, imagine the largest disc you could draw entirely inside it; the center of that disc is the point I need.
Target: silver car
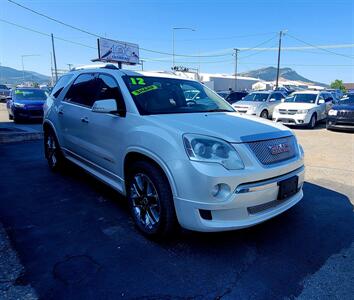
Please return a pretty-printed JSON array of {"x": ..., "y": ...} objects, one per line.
[{"x": 260, "y": 104}]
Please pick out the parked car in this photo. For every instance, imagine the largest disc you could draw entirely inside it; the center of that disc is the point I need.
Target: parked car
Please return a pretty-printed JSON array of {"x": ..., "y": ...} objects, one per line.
[
  {"x": 260, "y": 104},
  {"x": 341, "y": 115},
  {"x": 26, "y": 104},
  {"x": 223, "y": 94},
  {"x": 4, "y": 92},
  {"x": 337, "y": 94},
  {"x": 304, "y": 108},
  {"x": 196, "y": 163},
  {"x": 234, "y": 97}
]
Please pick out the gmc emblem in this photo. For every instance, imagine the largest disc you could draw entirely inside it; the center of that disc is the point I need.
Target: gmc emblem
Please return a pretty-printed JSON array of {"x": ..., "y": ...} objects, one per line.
[{"x": 279, "y": 148}]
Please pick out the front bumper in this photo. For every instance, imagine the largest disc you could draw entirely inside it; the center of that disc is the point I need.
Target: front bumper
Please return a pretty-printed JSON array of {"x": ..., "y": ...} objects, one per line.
[
  {"x": 287, "y": 119},
  {"x": 255, "y": 204},
  {"x": 340, "y": 123},
  {"x": 35, "y": 113}
]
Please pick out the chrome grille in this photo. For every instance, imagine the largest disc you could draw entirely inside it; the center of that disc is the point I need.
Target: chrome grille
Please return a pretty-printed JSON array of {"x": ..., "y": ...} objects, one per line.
[
  {"x": 346, "y": 114},
  {"x": 273, "y": 151},
  {"x": 287, "y": 111}
]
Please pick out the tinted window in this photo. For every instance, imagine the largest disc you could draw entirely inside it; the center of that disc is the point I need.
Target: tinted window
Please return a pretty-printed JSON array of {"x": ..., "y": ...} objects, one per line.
[
  {"x": 302, "y": 98},
  {"x": 4, "y": 87},
  {"x": 84, "y": 90},
  {"x": 108, "y": 89},
  {"x": 59, "y": 86},
  {"x": 258, "y": 97},
  {"x": 233, "y": 97},
  {"x": 277, "y": 96}
]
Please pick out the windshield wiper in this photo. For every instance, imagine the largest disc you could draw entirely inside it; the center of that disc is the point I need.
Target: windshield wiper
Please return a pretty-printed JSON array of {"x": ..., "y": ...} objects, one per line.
[{"x": 219, "y": 110}]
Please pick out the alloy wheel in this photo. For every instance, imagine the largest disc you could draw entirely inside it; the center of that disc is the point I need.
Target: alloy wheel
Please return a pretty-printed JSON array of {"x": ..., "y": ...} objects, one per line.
[
  {"x": 145, "y": 201},
  {"x": 51, "y": 150}
]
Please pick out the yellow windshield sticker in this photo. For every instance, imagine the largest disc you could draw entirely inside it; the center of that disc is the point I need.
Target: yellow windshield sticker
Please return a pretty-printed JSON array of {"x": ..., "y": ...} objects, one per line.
[
  {"x": 137, "y": 81},
  {"x": 144, "y": 90}
]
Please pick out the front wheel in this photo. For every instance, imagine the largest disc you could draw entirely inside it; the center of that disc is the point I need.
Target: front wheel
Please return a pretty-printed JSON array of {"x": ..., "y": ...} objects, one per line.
[
  {"x": 264, "y": 114},
  {"x": 150, "y": 200},
  {"x": 313, "y": 121},
  {"x": 52, "y": 151}
]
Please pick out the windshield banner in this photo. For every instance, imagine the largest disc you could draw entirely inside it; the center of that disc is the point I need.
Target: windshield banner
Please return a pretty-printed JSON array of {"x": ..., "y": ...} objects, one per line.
[{"x": 116, "y": 51}]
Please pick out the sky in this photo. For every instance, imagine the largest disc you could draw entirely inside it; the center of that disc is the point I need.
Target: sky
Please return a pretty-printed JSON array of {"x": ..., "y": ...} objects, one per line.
[{"x": 219, "y": 26}]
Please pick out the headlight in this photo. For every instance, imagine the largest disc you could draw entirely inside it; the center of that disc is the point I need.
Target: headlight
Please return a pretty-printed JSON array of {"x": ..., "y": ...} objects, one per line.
[
  {"x": 19, "y": 105},
  {"x": 332, "y": 112},
  {"x": 252, "y": 108},
  {"x": 208, "y": 149},
  {"x": 302, "y": 111}
]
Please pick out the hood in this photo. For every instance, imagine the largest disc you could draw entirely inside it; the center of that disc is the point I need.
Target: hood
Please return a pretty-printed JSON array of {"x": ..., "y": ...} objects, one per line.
[
  {"x": 343, "y": 107},
  {"x": 227, "y": 126},
  {"x": 293, "y": 105},
  {"x": 30, "y": 102}
]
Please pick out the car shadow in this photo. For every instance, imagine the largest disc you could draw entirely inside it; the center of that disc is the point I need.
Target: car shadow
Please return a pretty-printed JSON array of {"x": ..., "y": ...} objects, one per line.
[{"x": 77, "y": 241}]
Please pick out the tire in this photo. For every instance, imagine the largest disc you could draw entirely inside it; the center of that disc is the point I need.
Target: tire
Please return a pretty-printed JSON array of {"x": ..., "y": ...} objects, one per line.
[
  {"x": 52, "y": 151},
  {"x": 264, "y": 114},
  {"x": 150, "y": 200},
  {"x": 313, "y": 121}
]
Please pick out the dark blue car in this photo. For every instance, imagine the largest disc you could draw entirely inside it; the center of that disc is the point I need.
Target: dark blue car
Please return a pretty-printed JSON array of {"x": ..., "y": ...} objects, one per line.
[
  {"x": 341, "y": 115},
  {"x": 26, "y": 104}
]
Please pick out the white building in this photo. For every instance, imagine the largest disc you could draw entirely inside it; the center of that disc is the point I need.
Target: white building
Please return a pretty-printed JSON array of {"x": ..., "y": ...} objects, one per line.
[{"x": 220, "y": 82}]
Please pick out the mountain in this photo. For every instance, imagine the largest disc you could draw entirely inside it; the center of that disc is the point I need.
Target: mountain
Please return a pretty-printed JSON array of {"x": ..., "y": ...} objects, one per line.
[
  {"x": 13, "y": 76},
  {"x": 270, "y": 74}
]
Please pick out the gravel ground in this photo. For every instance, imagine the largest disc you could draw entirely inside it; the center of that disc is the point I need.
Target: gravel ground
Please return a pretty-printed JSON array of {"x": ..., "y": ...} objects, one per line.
[{"x": 12, "y": 274}]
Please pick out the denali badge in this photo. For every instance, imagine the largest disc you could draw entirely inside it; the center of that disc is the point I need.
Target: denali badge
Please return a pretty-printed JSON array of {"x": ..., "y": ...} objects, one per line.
[{"x": 279, "y": 148}]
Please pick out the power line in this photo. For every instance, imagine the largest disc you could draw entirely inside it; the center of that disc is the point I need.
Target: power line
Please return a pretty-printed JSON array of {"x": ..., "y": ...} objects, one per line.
[
  {"x": 45, "y": 34},
  {"x": 319, "y": 47},
  {"x": 98, "y": 36},
  {"x": 261, "y": 44}
]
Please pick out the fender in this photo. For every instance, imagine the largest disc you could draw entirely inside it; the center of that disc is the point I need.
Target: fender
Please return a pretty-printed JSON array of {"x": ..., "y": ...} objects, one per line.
[{"x": 158, "y": 160}]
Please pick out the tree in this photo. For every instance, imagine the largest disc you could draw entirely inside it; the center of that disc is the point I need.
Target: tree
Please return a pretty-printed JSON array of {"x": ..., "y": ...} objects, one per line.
[{"x": 338, "y": 84}]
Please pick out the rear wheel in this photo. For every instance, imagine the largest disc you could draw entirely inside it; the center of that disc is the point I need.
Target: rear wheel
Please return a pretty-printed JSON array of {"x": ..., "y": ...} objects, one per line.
[
  {"x": 313, "y": 121},
  {"x": 264, "y": 114},
  {"x": 150, "y": 200},
  {"x": 52, "y": 150}
]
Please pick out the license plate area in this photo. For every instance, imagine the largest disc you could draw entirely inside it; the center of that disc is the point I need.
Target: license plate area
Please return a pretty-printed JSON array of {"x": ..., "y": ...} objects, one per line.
[{"x": 287, "y": 187}]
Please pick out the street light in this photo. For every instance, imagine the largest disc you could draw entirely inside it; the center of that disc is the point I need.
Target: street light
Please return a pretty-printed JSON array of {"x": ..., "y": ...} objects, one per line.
[
  {"x": 23, "y": 65},
  {"x": 173, "y": 41}
]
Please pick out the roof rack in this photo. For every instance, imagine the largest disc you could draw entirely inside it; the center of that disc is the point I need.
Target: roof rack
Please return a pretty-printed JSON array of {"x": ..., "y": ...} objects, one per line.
[{"x": 95, "y": 66}]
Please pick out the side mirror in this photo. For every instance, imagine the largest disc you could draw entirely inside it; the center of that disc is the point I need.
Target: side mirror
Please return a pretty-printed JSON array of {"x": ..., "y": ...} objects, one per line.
[
  {"x": 108, "y": 106},
  {"x": 321, "y": 101}
]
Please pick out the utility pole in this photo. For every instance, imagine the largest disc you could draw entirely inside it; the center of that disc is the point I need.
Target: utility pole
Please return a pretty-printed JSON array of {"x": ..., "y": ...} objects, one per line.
[
  {"x": 279, "y": 49},
  {"x": 55, "y": 60},
  {"x": 236, "y": 53}
]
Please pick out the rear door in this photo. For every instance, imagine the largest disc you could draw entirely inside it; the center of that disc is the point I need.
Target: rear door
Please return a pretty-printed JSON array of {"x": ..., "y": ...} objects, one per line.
[{"x": 74, "y": 113}]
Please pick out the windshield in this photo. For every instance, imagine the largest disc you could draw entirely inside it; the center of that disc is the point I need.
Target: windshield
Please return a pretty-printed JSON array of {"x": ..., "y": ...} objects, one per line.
[
  {"x": 30, "y": 94},
  {"x": 155, "y": 95},
  {"x": 258, "y": 97},
  {"x": 347, "y": 100},
  {"x": 302, "y": 98}
]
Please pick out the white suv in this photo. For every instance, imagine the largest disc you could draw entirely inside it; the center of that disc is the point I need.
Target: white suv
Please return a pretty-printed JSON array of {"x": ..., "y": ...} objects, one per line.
[
  {"x": 304, "y": 108},
  {"x": 260, "y": 104},
  {"x": 192, "y": 162}
]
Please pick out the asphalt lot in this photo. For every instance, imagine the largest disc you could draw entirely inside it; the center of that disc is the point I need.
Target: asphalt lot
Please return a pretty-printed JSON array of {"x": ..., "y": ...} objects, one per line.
[{"x": 76, "y": 241}]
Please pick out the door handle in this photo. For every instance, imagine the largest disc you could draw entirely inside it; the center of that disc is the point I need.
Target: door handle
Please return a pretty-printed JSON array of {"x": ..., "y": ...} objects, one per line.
[{"x": 84, "y": 120}]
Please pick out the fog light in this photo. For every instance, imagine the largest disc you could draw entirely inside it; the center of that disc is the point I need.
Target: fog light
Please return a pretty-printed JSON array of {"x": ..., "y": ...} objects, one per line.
[
  {"x": 301, "y": 121},
  {"x": 220, "y": 190}
]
